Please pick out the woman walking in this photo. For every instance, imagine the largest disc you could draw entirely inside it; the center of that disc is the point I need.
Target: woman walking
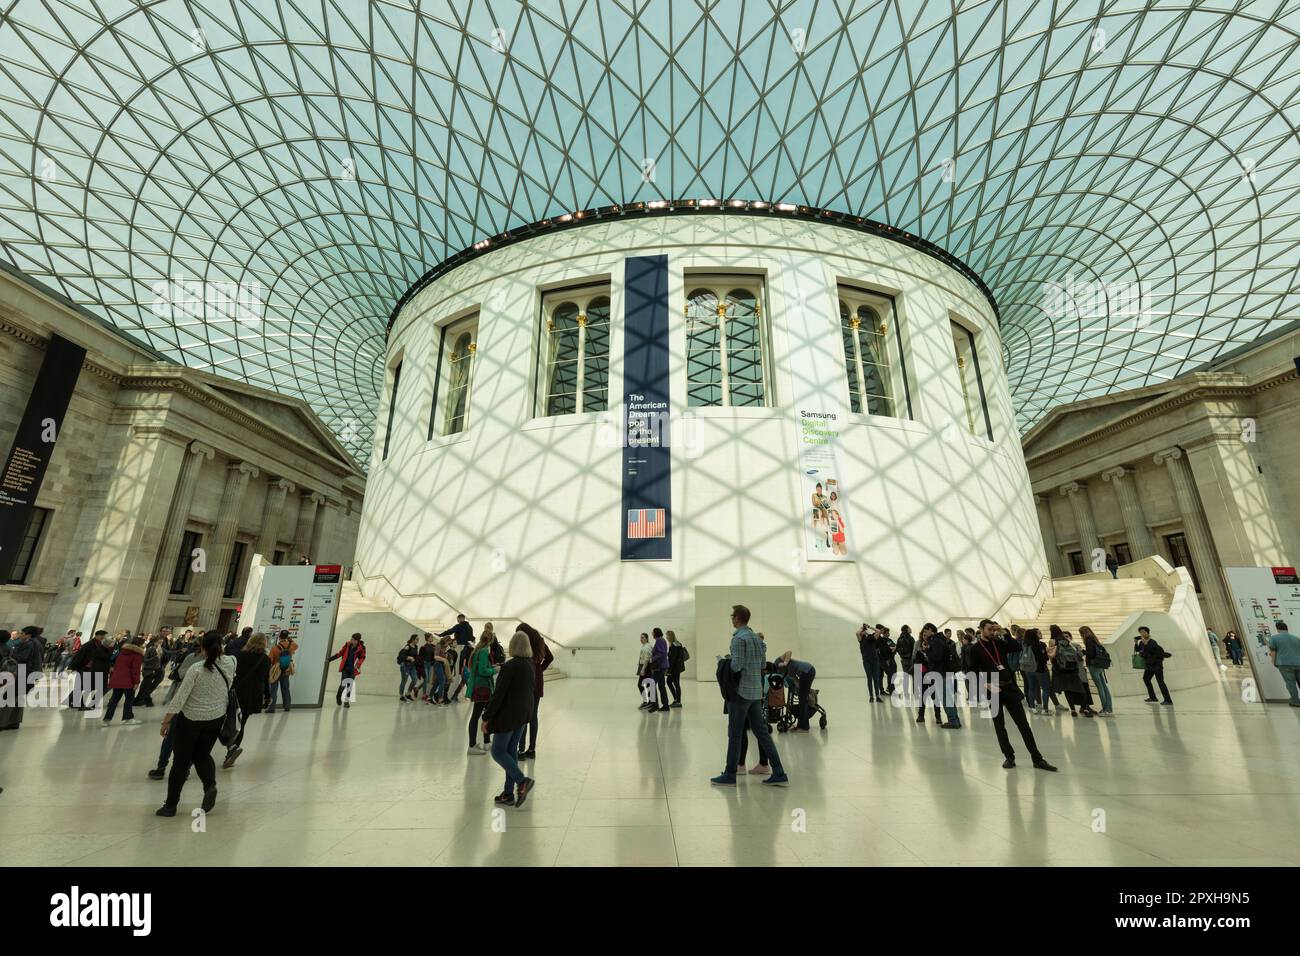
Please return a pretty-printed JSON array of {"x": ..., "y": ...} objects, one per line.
[
  {"x": 478, "y": 688},
  {"x": 869, "y": 650},
  {"x": 251, "y": 667},
  {"x": 124, "y": 680},
  {"x": 541, "y": 657},
  {"x": 198, "y": 711},
  {"x": 643, "y": 672},
  {"x": 1097, "y": 659},
  {"x": 407, "y": 659},
  {"x": 507, "y": 713},
  {"x": 659, "y": 665},
  {"x": 678, "y": 655},
  {"x": 1037, "y": 684}
]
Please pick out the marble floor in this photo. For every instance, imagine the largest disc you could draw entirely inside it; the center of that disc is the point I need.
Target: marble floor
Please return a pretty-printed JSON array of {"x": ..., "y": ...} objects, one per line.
[{"x": 1212, "y": 781}]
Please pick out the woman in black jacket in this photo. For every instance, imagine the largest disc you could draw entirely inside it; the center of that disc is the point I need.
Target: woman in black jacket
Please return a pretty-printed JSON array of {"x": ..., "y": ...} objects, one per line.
[
  {"x": 508, "y": 712},
  {"x": 252, "y": 665},
  {"x": 678, "y": 655}
]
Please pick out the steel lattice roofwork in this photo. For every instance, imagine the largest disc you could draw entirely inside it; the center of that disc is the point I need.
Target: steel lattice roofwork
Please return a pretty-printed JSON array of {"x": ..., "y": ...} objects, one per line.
[{"x": 252, "y": 187}]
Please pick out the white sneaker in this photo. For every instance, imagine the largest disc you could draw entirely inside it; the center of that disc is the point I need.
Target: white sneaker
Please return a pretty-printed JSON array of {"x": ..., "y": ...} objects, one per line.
[
  {"x": 476, "y": 750},
  {"x": 132, "y": 722}
]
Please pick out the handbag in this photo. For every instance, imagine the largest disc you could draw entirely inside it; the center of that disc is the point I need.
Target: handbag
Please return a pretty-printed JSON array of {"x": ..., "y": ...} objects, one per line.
[
  {"x": 274, "y": 674},
  {"x": 230, "y": 725},
  {"x": 1139, "y": 662}
]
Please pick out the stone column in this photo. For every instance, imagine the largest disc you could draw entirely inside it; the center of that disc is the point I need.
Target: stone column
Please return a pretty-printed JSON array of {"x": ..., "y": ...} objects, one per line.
[
  {"x": 322, "y": 539},
  {"x": 1140, "y": 543},
  {"x": 272, "y": 516},
  {"x": 1055, "y": 565},
  {"x": 302, "y": 540},
  {"x": 1218, "y": 609},
  {"x": 212, "y": 586},
  {"x": 1077, "y": 492},
  {"x": 173, "y": 532},
  {"x": 1240, "y": 507}
]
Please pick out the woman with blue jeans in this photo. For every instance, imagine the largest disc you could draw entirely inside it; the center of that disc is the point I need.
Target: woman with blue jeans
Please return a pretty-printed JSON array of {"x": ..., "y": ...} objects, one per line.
[
  {"x": 282, "y": 655},
  {"x": 1038, "y": 684},
  {"x": 407, "y": 659},
  {"x": 870, "y": 652},
  {"x": 1097, "y": 659},
  {"x": 507, "y": 713}
]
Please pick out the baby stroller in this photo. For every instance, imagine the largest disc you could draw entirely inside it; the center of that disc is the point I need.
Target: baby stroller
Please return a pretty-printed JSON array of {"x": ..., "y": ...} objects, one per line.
[{"x": 782, "y": 706}]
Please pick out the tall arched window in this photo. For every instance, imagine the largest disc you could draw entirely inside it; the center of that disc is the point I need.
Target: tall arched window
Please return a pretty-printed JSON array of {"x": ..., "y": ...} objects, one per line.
[
  {"x": 575, "y": 349},
  {"x": 726, "y": 342},
  {"x": 453, "y": 377},
  {"x": 870, "y": 367}
]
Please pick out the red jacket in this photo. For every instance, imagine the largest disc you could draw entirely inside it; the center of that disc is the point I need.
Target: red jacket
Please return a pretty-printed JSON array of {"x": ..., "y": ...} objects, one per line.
[
  {"x": 342, "y": 656},
  {"x": 126, "y": 669}
]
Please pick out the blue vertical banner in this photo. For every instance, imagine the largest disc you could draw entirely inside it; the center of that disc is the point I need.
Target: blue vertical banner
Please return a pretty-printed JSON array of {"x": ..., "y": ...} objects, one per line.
[{"x": 647, "y": 461}]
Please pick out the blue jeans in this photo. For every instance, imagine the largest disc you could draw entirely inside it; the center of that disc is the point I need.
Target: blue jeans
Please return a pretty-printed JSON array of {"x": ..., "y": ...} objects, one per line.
[
  {"x": 739, "y": 713},
  {"x": 1038, "y": 689},
  {"x": 408, "y": 674},
  {"x": 282, "y": 686},
  {"x": 949, "y": 698},
  {"x": 119, "y": 693},
  {"x": 504, "y": 748},
  {"x": 165, "y": 751},
  {"x": 440, "y": 681},
  {"x": 1291, "y": 676},
  {"x": 1103, "y": 689}
]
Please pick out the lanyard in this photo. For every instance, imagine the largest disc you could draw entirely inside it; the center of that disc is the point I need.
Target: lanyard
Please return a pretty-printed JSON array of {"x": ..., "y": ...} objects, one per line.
[{"x": 991, "y": 649}]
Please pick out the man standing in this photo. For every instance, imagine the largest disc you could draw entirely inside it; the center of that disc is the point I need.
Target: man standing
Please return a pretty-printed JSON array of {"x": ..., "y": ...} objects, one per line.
[
  {"x": 989, "y": 656},
  {"x": 1153, "y": 655},
  {"x": 745, "y": 703},
  {"x": 1112, "y": 565},
  {"x": 463, "y": 634},
  {"x": 90, "y": 667},
  {"x": 1284, "y": 649}
]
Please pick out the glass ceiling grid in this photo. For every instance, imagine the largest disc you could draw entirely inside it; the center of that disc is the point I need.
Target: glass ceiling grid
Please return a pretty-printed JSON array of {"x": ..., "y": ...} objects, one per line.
[{"x": 324, "y": 156}]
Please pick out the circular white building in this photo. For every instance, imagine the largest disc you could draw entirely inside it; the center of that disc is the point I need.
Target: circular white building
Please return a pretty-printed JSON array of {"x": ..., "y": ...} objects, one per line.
[{"x": 820, "y": 428}]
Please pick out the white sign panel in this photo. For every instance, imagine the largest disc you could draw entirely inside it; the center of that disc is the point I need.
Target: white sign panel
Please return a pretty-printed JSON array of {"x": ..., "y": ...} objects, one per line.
[
  {"x": 1262, "y": 597},
  {"x": 303, "y": 600}
]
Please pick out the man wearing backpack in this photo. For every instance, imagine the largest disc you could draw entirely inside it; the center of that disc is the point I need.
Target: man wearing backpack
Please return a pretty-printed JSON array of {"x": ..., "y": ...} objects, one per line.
[
  {"x": 989, "y": 656},
  {"x": 1153, "y": 657}
]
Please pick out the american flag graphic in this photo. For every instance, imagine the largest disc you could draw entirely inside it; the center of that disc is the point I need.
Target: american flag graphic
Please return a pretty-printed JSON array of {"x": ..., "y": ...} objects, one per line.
[{"x": 645, "y": 523}]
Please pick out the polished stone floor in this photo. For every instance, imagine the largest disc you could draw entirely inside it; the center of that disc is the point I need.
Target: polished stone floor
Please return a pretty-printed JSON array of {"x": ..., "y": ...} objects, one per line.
[{"x": 1213, "y": 781}]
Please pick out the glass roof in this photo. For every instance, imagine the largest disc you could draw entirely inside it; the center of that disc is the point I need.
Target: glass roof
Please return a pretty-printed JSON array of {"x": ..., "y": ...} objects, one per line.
[{"x": 1123, "y": 175}]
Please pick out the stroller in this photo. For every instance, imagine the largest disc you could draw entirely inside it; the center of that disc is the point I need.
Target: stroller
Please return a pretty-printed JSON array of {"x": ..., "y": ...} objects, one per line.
[{"x": 782, "y": 705}]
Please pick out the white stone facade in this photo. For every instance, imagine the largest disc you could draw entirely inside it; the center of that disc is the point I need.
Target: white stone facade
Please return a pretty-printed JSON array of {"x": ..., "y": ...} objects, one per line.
[{"x": 519, "y": 515}]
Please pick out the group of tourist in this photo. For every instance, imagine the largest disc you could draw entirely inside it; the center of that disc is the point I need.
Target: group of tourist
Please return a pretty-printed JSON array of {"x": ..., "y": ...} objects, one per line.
[{"x": 659, "y": 670}]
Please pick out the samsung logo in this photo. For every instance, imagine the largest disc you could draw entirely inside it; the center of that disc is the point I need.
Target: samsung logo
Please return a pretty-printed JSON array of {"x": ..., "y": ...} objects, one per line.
[
  {"x": 830, "y": 416},
  {"x": 76, "y": 909}
]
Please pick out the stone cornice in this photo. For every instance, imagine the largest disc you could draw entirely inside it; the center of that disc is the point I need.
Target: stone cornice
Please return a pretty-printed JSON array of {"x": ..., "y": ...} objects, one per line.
[{"x": 1201, "y": 386}]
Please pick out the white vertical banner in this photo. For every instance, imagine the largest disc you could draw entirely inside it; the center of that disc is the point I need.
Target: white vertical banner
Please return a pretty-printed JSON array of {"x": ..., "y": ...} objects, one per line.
[
  {"x": 303, "y": 600},
  {"x": 820, "y": 416},
  {"x": 1261, "y": 598}
]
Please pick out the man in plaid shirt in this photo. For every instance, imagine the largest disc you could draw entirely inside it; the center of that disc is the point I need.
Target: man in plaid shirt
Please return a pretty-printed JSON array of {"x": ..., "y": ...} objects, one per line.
[{"x": 745, "y": 704}]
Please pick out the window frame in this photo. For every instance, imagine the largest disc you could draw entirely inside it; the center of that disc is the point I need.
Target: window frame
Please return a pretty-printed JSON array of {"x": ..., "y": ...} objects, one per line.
[
  {"x": 182, "y": 569},
  {"x": 395, "y": 373},
  {"x": 721, "y": 285},
  {"x": 27, "y": 555},
  {"x": 467, "y": 321},
  {"x": 881, "y": 302},
  {"x": 972, "y": 342},
  {"x": 1188, "y": 563},
  {"x": 237, "y": 553},
  {"x": 582, "y": 295}
]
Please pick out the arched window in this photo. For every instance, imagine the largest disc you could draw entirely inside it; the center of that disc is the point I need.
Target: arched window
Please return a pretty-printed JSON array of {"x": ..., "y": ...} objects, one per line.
[
  {"x": 870, "y": 368},
  {"x": 726, "y": 344},
  {"x": 575, "y": 372},
  {"x": 974, "y": 403},
  {"x": 453, "y": 377}
]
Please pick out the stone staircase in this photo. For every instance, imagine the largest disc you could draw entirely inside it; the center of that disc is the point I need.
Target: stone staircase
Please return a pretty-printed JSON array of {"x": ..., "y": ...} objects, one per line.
[{"x": 1102, "y": 604}]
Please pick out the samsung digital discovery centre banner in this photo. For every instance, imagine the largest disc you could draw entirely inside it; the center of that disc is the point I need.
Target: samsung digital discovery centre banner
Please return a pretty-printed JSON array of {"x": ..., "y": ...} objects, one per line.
[{"x": 647, "y": 462}]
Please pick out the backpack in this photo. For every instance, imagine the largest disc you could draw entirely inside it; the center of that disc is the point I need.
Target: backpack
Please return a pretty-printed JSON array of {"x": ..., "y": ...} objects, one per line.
[
  {"x": 1028, "y": 662},
  {"x": 1101, "y": 658},
  {"x": 1067, "y": 656},
  {"x": 229, "y": 729}
]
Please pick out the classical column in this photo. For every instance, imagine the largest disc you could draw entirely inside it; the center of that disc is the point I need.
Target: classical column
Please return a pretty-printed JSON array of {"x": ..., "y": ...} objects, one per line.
[
  {"x": 1077, "y": 492},
  {"x": 1218, "y": 609},
  {"x": 211, "y": 590},
  {"x": 302, "y": 540},
  {"x": 160, "y": 582},
  {"x": 1135, "y": 523},
  {"x": 322, "y": 551},
  {"x": 272, "y": 515},
  {"x": 1056, "y": 567}
]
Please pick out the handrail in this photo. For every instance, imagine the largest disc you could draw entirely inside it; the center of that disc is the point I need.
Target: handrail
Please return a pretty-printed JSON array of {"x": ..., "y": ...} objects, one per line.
[
  {"x": 358, "y": 569},
  {"x": 1014, "y": 594}
]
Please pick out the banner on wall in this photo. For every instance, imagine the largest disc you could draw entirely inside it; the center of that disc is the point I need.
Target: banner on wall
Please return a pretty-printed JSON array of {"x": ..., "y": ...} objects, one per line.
[
  {"x": 1262, "y": 597},
  {"x": 825, "y": 502},
  {"x": 647, "y": 462},
  {"x": 33, "y": 445},
  {"x": 303, "y": 600}
]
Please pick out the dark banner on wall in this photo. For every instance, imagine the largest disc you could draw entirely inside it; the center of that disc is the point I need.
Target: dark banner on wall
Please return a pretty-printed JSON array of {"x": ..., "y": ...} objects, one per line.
[
  {"x": 647, "y": 463},
  {"x": 41, "y": 425}
]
